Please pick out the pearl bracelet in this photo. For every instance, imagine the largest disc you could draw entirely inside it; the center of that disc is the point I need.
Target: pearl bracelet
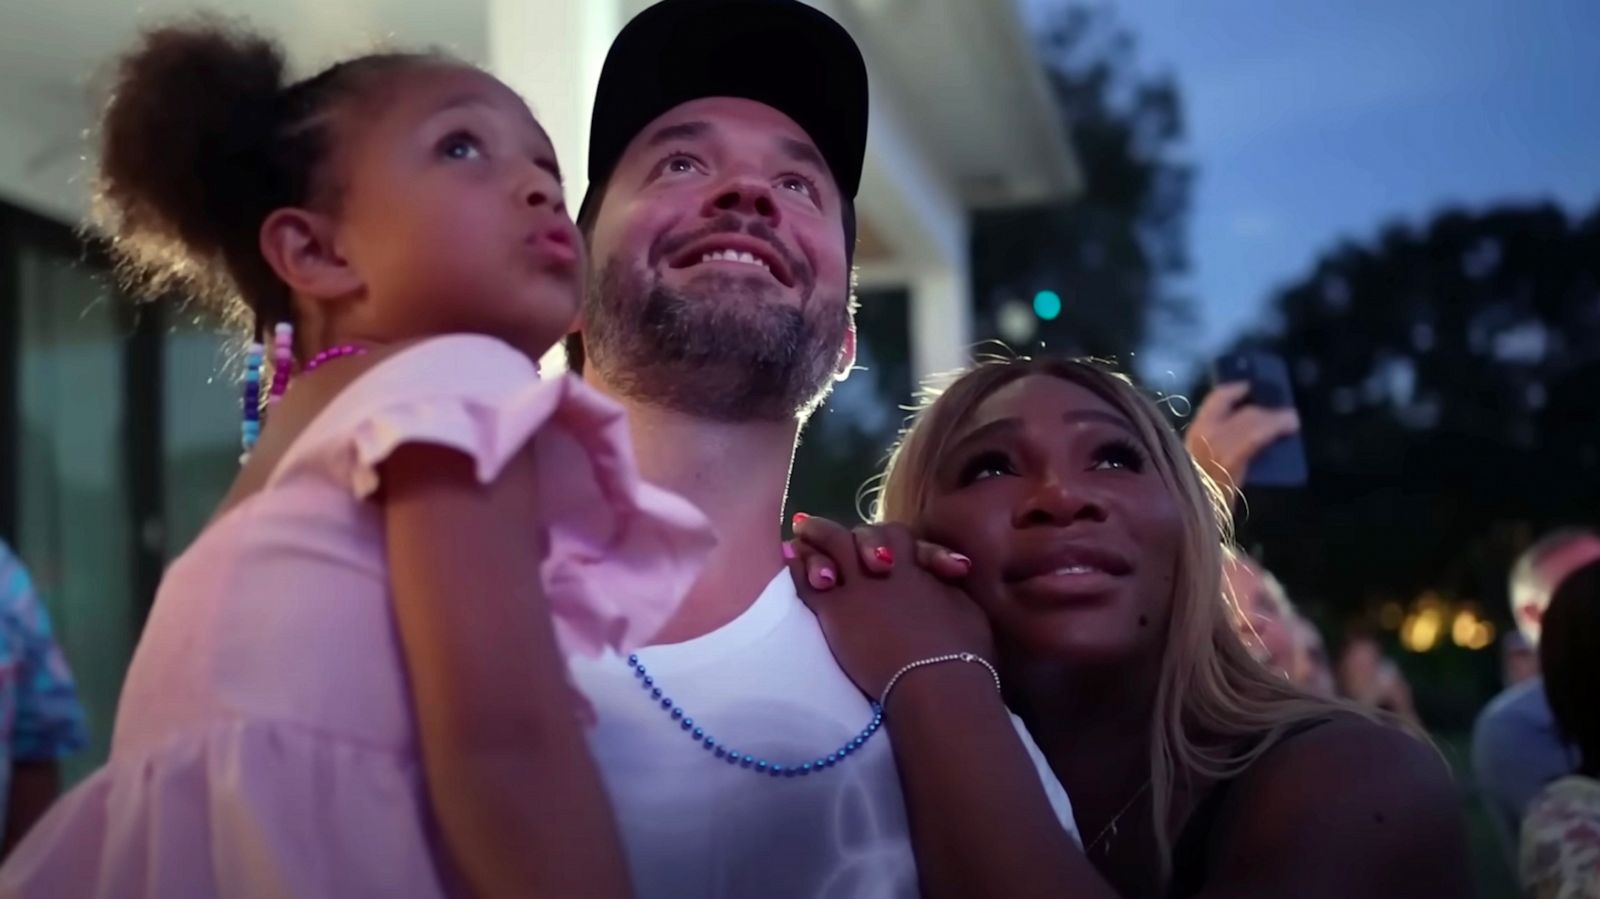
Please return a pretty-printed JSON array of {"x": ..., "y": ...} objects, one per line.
[{"x": 883, "y": 702}]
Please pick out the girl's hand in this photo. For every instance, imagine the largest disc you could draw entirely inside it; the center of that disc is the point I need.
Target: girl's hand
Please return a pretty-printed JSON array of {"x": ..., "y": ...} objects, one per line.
[
  {"x": 821, "y": 570},
  {"x": 884, "y": 600}
]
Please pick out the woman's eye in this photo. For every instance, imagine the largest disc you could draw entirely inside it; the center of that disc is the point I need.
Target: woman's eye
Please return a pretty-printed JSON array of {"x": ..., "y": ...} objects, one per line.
[
  {"x": 984, "y": 466},
  {"x": 461, "y": 145},
  {"x": 1116, "y": 455}
]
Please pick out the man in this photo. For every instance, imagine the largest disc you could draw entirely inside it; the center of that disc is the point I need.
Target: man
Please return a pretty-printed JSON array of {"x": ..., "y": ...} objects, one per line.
[
  {"x": 1519, "y": 661},
  {"x": 1266, "y": 622},
  {"x": 725, "y": 154},
  {"x": 1319, "y": 674},
  {"x": 1516, "y": 749}
]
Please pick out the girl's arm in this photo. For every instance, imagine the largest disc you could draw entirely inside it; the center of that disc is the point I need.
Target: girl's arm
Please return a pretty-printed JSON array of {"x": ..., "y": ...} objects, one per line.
[{"x": 519, "y": 802}]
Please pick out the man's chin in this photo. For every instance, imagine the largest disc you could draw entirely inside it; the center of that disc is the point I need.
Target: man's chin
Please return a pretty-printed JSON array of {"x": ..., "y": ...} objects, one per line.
[{"x": 711, "y": 344}]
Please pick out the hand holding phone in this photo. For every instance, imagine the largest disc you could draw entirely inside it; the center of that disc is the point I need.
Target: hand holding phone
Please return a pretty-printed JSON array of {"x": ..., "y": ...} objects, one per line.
[{"x": 1246, "y": 432}]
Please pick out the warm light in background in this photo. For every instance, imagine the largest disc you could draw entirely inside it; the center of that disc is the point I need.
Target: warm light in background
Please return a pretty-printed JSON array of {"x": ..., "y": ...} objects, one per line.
[
  {"x": 1468, "y": 631},
  {"x": 1423, "y": 629}
]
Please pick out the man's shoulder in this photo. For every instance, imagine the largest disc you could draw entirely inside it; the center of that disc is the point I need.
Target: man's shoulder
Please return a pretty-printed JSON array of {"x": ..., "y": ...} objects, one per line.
[
  {"x": 779, "y": 601},
  {"x": 776, "y": 613},
  {"x": 1516, "y": 707},
  {"x": 1514, "y": 732}
]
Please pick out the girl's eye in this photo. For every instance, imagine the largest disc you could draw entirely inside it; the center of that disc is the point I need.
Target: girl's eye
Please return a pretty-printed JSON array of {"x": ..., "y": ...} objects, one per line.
[
  {"x": 1118, "y": 454},
  {"x": 984, "y": 466},
  {"x": 461, "y": 145}
]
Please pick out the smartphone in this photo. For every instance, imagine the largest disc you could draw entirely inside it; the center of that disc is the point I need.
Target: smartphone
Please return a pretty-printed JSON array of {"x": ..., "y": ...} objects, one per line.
[{"x": 1283, "y": 462}]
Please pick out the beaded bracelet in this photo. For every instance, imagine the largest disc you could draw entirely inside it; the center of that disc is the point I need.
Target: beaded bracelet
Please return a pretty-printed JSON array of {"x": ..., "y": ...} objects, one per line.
[{"x": 883, "y": 702}]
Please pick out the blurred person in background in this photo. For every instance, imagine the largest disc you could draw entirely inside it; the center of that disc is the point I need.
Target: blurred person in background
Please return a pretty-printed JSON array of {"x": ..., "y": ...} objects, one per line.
[
  {"x": 1519, "y": 660},
  {"x": 41, "y": 719},
  {"x": 1319, "y": 676},
  {"x": 1560, "y": 852},
  {"x": 1266, "y": 618},
  {"x": 1368, "y": 676},
  {"x": 1225, "y": 436},
  {"x": 1516, "y": 748}
]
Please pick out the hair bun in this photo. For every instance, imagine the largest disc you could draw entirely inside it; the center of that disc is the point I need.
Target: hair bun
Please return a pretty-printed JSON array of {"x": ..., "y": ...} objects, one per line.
[{"x": 183, "y": 139}]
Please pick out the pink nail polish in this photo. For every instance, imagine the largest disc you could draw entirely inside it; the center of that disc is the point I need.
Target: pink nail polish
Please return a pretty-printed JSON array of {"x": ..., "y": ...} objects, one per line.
[
  {"x": 961, "y": 560},
  {"x": 825, "y": 576},
  {"x": 884, "y": 554},
  {"x": 788, "y": 551}
]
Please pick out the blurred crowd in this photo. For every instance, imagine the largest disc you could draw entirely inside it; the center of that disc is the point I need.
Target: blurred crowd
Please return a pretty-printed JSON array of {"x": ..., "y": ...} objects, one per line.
[{"x": 1534, "y": 746}]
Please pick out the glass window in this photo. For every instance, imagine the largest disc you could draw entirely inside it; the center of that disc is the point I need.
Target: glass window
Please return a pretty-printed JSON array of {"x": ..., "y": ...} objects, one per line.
[{"x": 74, "y": 518}]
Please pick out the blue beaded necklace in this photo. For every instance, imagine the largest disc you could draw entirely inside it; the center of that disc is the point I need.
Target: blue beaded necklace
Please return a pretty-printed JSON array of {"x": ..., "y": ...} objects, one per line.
[{"x": 720, "y": 750}]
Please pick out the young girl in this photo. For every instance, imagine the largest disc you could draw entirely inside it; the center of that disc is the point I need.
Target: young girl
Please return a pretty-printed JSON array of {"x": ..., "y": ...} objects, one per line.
[{"x": 353, "y": 684}]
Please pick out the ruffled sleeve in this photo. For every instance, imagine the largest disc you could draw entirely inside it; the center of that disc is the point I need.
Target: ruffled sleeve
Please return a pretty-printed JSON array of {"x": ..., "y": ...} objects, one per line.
[
  {"x": 622, "y": 552},
  {"x": 1560, "y": 856}
]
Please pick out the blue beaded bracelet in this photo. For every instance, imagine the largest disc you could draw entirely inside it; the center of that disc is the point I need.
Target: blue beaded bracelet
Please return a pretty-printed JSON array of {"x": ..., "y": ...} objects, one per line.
[{"x": 722, "y": 751}]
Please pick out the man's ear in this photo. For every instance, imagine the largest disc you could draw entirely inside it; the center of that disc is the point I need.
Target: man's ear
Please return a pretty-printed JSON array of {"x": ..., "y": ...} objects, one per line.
[
  {"x": 299, "y": 245},
  {"x": 847, "y": 355}
]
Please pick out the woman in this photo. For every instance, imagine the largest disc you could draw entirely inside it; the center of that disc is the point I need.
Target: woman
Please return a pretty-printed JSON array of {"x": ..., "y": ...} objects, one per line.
[
  {"x": 1094, "y": 547},
  {"x": 1561, "y": 834}
]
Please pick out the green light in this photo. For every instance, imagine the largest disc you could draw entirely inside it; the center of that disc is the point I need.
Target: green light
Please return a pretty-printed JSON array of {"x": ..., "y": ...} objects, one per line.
[{"x": 1047, "y": 305}]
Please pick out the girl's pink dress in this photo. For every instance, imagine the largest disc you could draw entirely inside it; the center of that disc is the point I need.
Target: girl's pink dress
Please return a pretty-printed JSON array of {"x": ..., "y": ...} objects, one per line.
[{"x": 264, "y": 745}]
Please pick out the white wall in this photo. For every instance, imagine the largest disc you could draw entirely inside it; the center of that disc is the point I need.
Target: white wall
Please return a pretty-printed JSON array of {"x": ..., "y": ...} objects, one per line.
[
  {"x": 42, "y": 168},
  {"x": 55, "y": 56}
]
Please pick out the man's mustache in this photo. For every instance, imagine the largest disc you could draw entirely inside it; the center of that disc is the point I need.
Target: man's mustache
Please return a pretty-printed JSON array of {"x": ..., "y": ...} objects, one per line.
[{"x": 670, "y": 246}]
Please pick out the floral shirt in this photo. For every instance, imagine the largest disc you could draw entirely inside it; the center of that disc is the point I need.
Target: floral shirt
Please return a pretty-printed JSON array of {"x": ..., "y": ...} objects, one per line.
[
  {"x": 1561, "y": 841},
  {"x": 40, "y": 718}
]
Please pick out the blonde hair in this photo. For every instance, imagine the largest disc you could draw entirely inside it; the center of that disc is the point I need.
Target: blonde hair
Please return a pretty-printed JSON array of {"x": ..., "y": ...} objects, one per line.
[
  {"x": 1269, "y": 586},
  {"x": 1216, "y": 709}
]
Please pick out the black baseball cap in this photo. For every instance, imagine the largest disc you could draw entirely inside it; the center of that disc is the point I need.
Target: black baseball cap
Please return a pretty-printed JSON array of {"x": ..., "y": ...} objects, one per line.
[{"x": 782, "y": 53}]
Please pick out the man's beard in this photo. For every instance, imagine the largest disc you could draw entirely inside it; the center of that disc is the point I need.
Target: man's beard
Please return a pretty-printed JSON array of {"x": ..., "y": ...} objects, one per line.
[{"x": 722, "y": 352}]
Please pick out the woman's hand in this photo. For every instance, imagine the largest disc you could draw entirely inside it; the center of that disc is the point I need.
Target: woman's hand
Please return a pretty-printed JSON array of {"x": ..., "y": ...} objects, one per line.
[
  {"x": 981, "y": 822},
  {"x": 885, "y": 600},
  {"x": 1227, "y": 433}
]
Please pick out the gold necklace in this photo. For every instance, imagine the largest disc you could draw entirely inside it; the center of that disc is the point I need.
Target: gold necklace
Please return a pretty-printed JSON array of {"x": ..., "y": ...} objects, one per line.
[{"x": 1110, "y": 830}]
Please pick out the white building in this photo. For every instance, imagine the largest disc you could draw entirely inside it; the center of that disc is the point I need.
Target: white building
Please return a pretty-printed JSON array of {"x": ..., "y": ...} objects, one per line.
[{"x": 119, "y": 425}]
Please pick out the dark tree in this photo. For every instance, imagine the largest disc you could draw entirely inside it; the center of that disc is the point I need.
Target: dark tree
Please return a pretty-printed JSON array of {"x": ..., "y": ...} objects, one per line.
[
  {"x": 1112, "y": 251},
  {"x": 1447, "y": 379}
]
